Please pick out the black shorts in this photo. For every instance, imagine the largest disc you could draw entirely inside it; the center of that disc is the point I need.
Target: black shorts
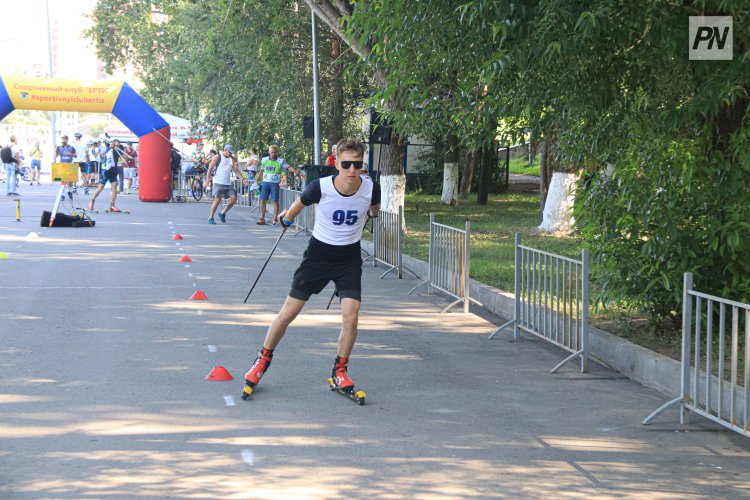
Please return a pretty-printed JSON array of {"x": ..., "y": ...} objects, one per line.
[
  {"x": 319, "y": 267},
  {"x": 82, "y": 166},
  {"x": 109, "y": 175}
]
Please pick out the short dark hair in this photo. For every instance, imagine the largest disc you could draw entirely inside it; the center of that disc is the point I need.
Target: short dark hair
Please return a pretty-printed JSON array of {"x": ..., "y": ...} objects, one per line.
[{"x": 352, "y": 145}]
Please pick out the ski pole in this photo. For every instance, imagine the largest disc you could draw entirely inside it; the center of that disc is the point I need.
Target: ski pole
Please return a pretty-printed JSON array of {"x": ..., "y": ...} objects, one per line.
[
  {"x": 331, "y": 301},
  {"x": 265, "y": 264}
]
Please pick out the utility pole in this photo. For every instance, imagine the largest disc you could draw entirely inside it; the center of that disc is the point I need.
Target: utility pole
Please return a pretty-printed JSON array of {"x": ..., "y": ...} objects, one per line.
[{"x": 53, "y": 114}]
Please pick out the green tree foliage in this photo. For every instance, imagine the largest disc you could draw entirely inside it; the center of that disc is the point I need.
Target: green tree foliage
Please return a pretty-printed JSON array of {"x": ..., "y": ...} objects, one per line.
[
  {"x": 613, "y": 82},
  {"x": 240, "y": 69}
]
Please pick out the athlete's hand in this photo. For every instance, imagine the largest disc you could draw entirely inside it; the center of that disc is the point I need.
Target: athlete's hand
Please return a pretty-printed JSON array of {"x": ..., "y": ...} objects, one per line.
[{"x": 283, "y": 220}]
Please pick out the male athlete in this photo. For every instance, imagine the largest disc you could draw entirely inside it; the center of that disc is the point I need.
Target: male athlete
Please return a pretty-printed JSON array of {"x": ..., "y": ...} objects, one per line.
[
  {"x": 222, "y": 165},
  {"x": 333, "y": 254},
  {"x": 115, "y": 155}
]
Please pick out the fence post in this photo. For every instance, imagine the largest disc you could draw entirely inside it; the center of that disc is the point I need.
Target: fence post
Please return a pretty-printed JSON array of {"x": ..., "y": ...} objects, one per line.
[
  {"x": 375, "y": 242},
  {"x": 687, "y": 312},
  {"x": 431, "y": 253},
  {"x": 400, "y": 242},
  {"x": 466, "y": 267},
  {"x": 585, "y": 311},
  {"x": 516, "y": 330}
]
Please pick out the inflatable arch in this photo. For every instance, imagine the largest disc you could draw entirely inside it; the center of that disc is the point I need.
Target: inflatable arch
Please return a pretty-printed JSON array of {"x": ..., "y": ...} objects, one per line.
[{"x": 118, "y": 98}]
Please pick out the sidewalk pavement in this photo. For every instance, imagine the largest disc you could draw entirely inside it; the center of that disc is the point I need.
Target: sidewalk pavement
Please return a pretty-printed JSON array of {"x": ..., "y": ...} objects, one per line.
[{"x": 102, "y": 390}]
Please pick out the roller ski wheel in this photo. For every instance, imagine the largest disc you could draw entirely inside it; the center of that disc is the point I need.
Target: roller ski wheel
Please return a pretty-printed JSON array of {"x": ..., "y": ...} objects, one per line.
[
  {"x": 247, "y": 391},
  {"x": 356, "y": 396}
]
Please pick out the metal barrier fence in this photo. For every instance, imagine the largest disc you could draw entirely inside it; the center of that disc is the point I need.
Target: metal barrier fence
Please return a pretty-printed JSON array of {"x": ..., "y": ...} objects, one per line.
[
  {"x": 705, "y": 386},
  {"x": 306, "y": 219},
  {"x": 246, "y": 197},
  {"x": 387, "y": 241},
  {"x": 448, "y": 263},
  {"x": 552, "y": 300}
]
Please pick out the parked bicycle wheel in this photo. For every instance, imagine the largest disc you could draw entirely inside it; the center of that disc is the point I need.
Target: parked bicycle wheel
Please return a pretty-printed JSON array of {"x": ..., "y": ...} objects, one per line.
[{"x": 196, "y": 188}]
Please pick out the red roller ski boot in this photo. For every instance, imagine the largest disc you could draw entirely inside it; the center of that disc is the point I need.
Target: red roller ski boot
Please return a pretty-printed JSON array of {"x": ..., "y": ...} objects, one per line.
[
  {"x": 255, "y": 373},
  {"x": 341, "y": 383}
]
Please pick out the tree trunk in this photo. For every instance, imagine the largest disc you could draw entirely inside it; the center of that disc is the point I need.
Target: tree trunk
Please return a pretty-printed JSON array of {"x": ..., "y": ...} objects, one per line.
[
  {"x": 543, "y": 181},
  {"x": 488, "y": 164},
  {"x": 468, "y": 175},
  {"x": 392, "y": 178},
  {"x": 450, "y": 171},
  {"x": 557, "y": 215},
  {"x": 335, "y": 133},
  {"x": 533, "y": 147},
  {"x": 547, "y": 166}
]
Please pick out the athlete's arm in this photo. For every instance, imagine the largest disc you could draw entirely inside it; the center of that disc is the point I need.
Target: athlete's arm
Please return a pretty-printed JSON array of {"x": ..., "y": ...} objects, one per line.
[
  {"x": 294, "y": 170},
  {"x": 375, "y": 201}
]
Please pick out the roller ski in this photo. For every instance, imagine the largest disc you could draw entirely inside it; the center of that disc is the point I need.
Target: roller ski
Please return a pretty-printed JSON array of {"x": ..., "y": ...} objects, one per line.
[
  {"x": 341, "y": 383},
  {"x": 255, "y": 373},
  {"x": 114, "y": 210}
]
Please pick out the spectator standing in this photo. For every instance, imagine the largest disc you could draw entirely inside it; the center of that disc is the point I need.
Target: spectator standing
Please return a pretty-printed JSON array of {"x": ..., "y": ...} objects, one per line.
[
  {"x": 93, "y": 153},
  {"x": 11, "y": 160},
  {"x": 82, "y": 159},
  {"x": 252, "y": 163},
  {"x": 272, "y": 169},
  {"x": 331, "y": 160},
  {"x": 67, "y": 154},
  {"x": 222, "y": 166},
  {"x": 131, "y": 165},
  {"x": 36, "y": 164}
]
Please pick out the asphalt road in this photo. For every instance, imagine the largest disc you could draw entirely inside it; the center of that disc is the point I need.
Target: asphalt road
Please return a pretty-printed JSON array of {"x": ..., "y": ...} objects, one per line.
[{"x": 102, "y": 390}]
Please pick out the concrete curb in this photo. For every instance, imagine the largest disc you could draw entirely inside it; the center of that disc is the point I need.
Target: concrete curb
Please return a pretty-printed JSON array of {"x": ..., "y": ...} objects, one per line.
[{"x": 647, "y": 367}]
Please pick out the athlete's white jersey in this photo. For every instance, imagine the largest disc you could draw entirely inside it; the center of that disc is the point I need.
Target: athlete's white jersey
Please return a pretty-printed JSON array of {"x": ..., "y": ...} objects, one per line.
[{"x": 339, "y": 218}]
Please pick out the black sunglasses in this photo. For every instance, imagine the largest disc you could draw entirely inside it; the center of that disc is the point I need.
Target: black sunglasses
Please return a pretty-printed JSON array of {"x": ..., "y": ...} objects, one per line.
[{"x": 347, "y": 164}]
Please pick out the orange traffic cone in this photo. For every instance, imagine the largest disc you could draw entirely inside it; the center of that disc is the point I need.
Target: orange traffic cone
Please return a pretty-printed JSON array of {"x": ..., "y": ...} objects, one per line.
[
  {"x": 198, "y": 295},
  {"x": 219, "y": 373},
  {"x": 186, "y": 258},
  {"x": 177, "y": 236}
]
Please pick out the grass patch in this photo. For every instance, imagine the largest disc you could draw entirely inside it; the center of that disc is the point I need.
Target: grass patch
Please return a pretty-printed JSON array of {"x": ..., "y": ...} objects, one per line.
[
  {"x": 521, "y": 166},
  {"x": 493, "y": 229}
]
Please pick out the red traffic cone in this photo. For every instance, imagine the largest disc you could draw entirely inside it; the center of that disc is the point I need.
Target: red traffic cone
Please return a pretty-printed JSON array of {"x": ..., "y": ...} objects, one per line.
[
  {"x": 186, "y": 258},
  {"x": 219, "y": 373},
  {"x": 198, "y": 295},
  {"x": 177, "y": 236}
]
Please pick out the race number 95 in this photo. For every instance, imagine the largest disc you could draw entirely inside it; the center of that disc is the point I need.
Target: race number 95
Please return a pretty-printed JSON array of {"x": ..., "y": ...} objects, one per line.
[{"x": 349, "y": 217}]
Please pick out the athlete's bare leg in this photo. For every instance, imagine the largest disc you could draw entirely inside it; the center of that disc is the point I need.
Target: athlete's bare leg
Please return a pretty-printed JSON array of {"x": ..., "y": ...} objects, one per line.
[{"x": 288, "y": 312}]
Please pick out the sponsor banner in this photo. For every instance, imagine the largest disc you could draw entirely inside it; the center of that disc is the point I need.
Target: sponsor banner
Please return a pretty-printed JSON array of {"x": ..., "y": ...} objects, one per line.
[{"x": 52, "y": 94}]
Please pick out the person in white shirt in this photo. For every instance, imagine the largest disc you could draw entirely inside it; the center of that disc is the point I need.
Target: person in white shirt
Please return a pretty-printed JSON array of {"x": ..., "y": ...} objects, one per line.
[
  {"x": 333, "y": 254},
  {"x": 93, "y": 153},
  {"x": 82, "y": 159},
  {"x": 219, "y": 174}
]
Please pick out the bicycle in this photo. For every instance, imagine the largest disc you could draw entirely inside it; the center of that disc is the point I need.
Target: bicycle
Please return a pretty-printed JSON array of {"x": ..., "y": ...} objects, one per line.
[
  {"x": 23, "y": 173},
  {"x": 196, "y": 185}
]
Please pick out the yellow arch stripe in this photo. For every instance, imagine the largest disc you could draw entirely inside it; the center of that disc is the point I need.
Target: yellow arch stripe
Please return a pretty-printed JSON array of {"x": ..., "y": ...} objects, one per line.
[{"x": 55, "y": 94}]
